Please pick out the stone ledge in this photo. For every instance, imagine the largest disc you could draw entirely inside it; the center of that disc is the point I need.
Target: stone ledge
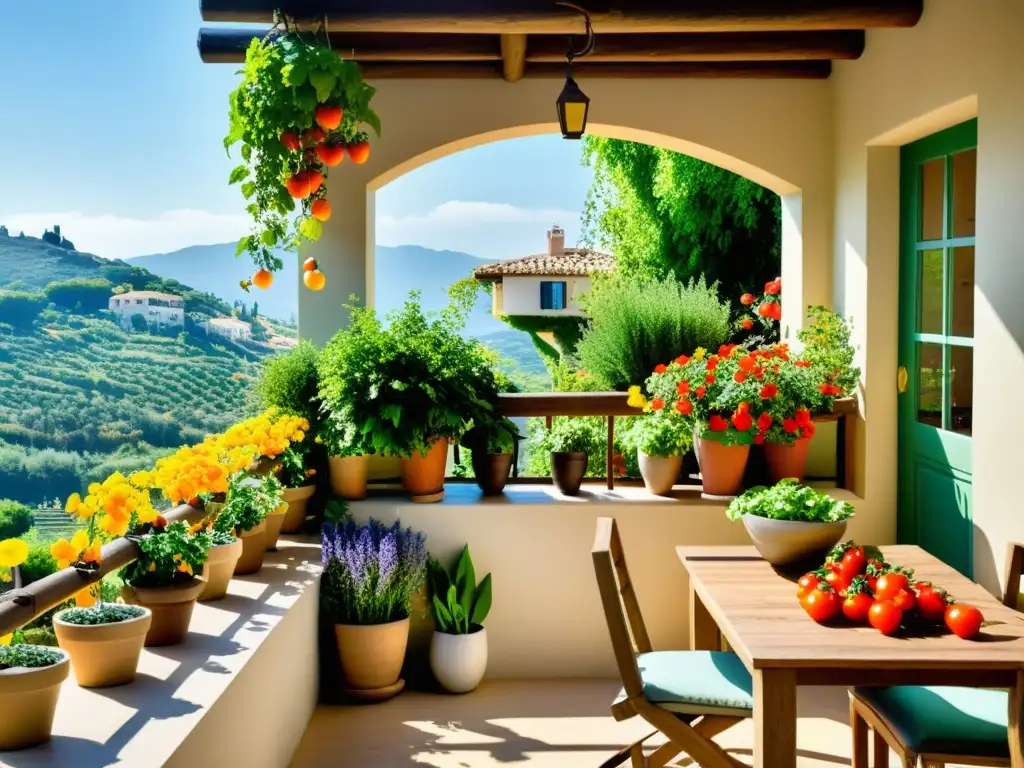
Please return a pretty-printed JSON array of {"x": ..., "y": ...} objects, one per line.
[{"x": 239, "y": 691}]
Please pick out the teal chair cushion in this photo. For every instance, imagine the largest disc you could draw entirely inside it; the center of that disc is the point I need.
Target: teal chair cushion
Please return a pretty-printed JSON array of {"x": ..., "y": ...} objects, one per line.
[
  {"x": 695, "y": 682},
  {"x": 945, "y": 720}
]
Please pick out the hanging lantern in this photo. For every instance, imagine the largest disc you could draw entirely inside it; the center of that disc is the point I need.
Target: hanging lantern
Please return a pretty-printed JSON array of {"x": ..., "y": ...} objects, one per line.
[{"x": 573, "y": 106}]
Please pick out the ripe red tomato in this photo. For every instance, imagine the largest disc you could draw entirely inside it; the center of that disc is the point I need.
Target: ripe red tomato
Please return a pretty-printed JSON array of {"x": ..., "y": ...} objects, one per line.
[
  {"x": 964, "y": 620},
  {"x": 931, "y": 603},
  {"x": 806, "y": 583},
  {"x": 854, "y": 562},
  {"x": 904, "y": 600},
  {"x": 889, "y": 584},
  {"x": 885, "y": 617},
  {"x": 856, "y": 607},
  {"x": 836, "y": 581},
  {"x": 821, "y": 605}
]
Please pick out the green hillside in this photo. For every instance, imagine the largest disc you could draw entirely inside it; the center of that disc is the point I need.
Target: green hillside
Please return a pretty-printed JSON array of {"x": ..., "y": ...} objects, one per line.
[{"x": 30, "y": 264}]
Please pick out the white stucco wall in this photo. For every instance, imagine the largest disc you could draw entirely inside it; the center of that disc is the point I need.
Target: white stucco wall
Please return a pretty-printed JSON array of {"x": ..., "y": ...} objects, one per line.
[
  {"x": 964, "y": 59},
  {"x": 521, "y": 295}
]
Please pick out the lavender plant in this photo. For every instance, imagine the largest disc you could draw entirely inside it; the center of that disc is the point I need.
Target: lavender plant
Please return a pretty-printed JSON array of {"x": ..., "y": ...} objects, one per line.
[{"x": 370, "y": 571}]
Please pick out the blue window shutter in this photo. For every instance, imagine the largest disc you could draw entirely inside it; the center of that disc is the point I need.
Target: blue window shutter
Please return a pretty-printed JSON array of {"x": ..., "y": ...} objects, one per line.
[{"x": 545, "y": 295}]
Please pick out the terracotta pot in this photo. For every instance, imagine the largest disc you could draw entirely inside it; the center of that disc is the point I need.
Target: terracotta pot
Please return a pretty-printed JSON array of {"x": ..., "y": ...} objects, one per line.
[
  {"x": 297, "y": 499},
  {"x": 721, "y": 467},
  {"x": 659, "y": 473},
  {"x": 254, "y": 546},
  {"x": 103, "y": 655},
  {"x": 568, "y": 470},
  {"x": 372, "y": 657},
  {"x": 459, "y": 661},
  {"x": 492, "y": 471},
  {"x": 348, "y": 476},
  {"x": 423, "y": 476},
  {"x": 219, "y": 567},
  {"x": 28, "y": 699},
  {"x": 787, "y": 460},
  {"x": 275, "y": 520},
  {"x": 171, "y": 608}
]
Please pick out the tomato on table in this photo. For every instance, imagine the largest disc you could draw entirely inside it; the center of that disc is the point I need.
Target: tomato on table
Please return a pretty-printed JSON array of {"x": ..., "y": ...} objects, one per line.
[
  {"x": 889, "y": 584},
  {"x": 931, "y": 602},
  {"x": 885, "y": 617},
  {"x": 964, "y": 620},
  {"x": 822, "y": 603}
]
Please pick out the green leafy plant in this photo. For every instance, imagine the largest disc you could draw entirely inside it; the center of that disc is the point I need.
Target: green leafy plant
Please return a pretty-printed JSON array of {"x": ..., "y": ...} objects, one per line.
[
  {"x": 249, "y": 500},
  {"x": 789, "y": 500},
  {"x": 28, "y": 656},
  {"x": 293, "y": 472},
  {"x": 285, "y": 114},
  {"x": 336, "y": 511},
  {"x": 169, "y": 555},
  {"x": 15, "y": 519},
  {"x": 221, "y": 538},
  {"x": 659, "y": 435},
  {"x": 637, "y": 323},
  {"x": 102, "y": 613},
  {"x": 492, "y": 436},
  {"x": 568, "y": 435},
  {"x": 394, "y": 388},
  {"x": 458, "y": 603},
  {"x": 288, "y": 381},
  {"x": 827, "y": 347}
]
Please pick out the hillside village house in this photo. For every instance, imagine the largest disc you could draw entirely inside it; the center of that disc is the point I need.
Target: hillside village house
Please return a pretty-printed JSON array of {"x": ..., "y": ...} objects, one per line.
[
  {"x": 228, "y": 327},
  {"x": 161, "y": 309},
  {"x": 548, "y": 284}
]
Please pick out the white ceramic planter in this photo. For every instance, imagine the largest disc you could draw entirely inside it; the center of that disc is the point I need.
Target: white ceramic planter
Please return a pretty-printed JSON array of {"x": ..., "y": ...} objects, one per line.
[
  {"x": 459, "y": 661},
  {"x": 784, "y": 541},
  {"x": 659, "y": 473}
]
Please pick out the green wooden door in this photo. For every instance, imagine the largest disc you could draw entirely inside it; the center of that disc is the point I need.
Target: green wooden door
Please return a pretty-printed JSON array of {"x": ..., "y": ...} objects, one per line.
[{"x": 936, "y": 350}]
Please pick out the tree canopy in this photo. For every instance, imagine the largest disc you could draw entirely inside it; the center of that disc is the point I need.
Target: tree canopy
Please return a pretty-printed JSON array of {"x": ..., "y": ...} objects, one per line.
[{"x": 662, "y": 212}]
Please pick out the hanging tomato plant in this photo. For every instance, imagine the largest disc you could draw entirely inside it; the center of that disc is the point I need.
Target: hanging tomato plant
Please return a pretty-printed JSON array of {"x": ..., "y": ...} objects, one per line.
[{"x": 299, "y": 110}]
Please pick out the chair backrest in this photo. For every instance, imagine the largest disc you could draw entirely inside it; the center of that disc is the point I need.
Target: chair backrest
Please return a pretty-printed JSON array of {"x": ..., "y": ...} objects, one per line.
[
  {"x": 1014, "y": 570},
  {"x": 621, "y": 609}
]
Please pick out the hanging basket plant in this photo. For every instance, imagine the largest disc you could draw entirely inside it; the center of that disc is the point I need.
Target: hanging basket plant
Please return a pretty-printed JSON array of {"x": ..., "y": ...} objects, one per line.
[{"x": 299, "y": 111}]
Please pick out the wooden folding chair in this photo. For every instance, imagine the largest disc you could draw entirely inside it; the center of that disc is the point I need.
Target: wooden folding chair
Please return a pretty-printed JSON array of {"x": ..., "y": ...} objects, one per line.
[
  {"x": 688, "y": 696},
  {"x": 936, "y": 725}
]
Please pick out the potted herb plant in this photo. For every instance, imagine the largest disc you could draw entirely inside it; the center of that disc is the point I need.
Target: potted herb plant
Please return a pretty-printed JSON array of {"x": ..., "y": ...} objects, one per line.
[
  {"x": 250, "y": 499},
  {"x": 409, "y": 386},
  {"x": 661, "y": 440},
  {"x": 370, "y": 574},
  {"x": 104, "y": 641},
  {"x": 30, "y": 682},
  {"x": 347, "y": 457},
  {"x": 299, "y": 487},
  {"x": 166, "y": 578},
  {"x": 458, "y": 650},
  {"x": 491, "y": 445},
  {"x": 568, "y": 441},
  {"x": 225, "y": 551},
  {"x": 790, "y": 522}
]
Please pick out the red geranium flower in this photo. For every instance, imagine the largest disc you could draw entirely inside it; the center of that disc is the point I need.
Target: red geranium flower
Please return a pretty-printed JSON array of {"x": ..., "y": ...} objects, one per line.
[
  {"x": 782, "y": 350},
  {"x": 801, "y": 364},
  {"x": 683, "y": 388},
  {"x": 774, "y": 287},
  {"x": 747, "y": 363},
  {"x": 739, "y": 377},
  {"x": 660, "y": 368},
  {"x": 790, "y": 425},
  {"x": 681, "y": 360},
  {"x": 712, "y": 362},
  {"x": 717, "y": 424},
  {"x": 808, "y": 430},
  {"x": 759, "y": 373},
  {"x": 726, "y": 350},
  {"x": 803, "y": 417},
  {"x": 700, "y": 391},
  {"x": 657, "y": 404},
  {"x": 747, "y": 299},
  {"x": 759, "y": 438},
  {"x": 769, "y": 391},
  {"x": 742, "y": 420},
  {"x": 684, "y": 406},
  {"x": 747, "y": 323},
  {"x": 764, "y": 422},
  {"x": 710, "y": 378}
]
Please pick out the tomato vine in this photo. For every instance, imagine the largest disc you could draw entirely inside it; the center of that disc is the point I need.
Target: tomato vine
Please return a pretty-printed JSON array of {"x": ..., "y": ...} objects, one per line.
[{"x": 299, "y": 109}]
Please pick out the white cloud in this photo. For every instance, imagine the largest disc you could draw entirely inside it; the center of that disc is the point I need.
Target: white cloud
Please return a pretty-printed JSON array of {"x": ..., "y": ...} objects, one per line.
[
  {"x": 118, "y": 237},
  {"x": 488, "y": 230}
]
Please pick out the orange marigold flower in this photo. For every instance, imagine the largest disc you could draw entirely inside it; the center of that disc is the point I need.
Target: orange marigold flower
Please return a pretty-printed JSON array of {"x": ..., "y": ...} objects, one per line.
[
  {"x": 683, "y": 388},
  {"x": 712, "y": 362},
  {"x": 684, "y": 406},
  {"x": 747, "y": 299},
  {"x": 739, "y": 377},
  {"x": 747, "y": 323},
  {"x": 769, "y": 391},
  {"x": 657, "y": 404},
  {"x": 700, "y": 391},
  {"x": 660, "y": 368},
  {"x": 681, "y": 360},
  {"x": 710, "y": 378},
  {"x": 747, "y": 363},
  {"x": 801, "y": 364}
]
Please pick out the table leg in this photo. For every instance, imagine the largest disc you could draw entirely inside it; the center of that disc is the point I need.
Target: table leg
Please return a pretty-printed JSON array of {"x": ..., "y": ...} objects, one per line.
[
  {"x": 704, "y": 633},
  {"x": 774, "y": 718},
  {"x": 1015, "y": 732}
]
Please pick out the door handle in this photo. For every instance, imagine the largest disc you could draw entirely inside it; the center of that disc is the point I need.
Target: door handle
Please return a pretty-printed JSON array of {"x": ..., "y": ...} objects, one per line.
[{"x": 901, "y": 379}]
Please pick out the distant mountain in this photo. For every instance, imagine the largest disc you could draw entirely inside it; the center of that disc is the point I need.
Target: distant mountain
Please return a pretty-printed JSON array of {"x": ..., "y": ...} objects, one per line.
[{"x": 30, "y": 264}]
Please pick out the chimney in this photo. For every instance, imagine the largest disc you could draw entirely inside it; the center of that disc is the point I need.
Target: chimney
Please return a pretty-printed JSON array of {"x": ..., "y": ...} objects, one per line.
[{"x": 556, "y": 241}]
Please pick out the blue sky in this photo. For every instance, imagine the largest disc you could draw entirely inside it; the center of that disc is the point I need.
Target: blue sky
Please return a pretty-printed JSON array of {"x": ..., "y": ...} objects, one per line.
[{"x": 111, "y": 126}]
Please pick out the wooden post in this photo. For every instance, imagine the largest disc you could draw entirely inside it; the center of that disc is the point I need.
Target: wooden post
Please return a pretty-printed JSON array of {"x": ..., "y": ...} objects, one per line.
[{"x": 611, "y": 453}]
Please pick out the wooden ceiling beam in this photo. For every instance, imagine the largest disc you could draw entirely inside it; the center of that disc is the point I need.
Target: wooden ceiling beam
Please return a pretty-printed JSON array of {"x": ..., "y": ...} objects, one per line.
[
  {"x": 229, "y": 45},
  {"x": 583, "y": 70},
  {"x": 544, "y": 17}
]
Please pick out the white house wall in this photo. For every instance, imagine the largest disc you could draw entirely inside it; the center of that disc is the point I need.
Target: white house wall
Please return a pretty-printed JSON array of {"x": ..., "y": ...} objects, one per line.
[{"x": 521, "y": 295}]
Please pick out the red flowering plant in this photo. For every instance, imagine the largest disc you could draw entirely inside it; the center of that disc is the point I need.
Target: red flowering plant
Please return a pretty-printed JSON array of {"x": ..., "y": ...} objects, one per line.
[
  {"x": 789, "y": 396},
  {"x": 760, "y": 315},
  {"x": 715, "y": 393}
]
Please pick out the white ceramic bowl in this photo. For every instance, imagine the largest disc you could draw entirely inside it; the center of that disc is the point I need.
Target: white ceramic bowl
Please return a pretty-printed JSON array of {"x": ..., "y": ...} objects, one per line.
[{"x": 781, "y": 542}]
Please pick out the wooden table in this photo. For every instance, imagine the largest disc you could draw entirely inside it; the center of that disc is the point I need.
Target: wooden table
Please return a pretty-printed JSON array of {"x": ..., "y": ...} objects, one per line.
[{"x": 735, "y": 594}]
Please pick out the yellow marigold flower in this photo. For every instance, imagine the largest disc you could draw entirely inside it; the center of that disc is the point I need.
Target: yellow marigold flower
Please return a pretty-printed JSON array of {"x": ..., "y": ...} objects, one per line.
[
  {"x": 185, "y": 568},
  {"x": 636, "y": 398},
  {"x": 64, "y": 552},
  {"x": 80, "y": 540},
  {"x": 6, "y": 639},
  {"x": 95, "y": 489},
  {"x": 85, "y": 598},
  {"x": 177, "y": 557},
  {"x": 699, "y": 353},
  {"x": 74, "y": 503},
  {"x": 152, "y": 567},
  {"x": 93, "y": 554}
]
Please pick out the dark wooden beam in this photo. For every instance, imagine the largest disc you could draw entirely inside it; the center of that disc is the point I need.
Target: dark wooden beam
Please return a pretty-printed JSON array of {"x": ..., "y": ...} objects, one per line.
[
  {"x": 544, "y": 17},
  {"x": 582, "y": 70},
  {"x": 513, "y": 57},
  {"x": 228, "y": 45}
]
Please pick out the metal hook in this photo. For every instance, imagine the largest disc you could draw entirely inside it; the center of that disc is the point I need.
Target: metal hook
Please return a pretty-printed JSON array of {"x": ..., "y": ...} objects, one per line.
[{"x": 588, "y": 47}]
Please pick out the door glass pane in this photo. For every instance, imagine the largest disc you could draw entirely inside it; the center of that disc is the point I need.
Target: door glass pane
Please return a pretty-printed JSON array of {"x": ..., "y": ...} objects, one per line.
[
  {"x": 929, "y": 384},
  {"x": 929, "y": 318},
  {"x": 965, "y": 166},
  {"x": 961, "y": 388},
  {"x": 962, "y": 292},
  {"x": 933, "y": 184}
]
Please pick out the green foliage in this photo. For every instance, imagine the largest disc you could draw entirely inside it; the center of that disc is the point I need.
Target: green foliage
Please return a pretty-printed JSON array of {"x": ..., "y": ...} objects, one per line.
[
  {"x": 250, "y": 499},
  {"x": 284, "y": 79},
  {"x": 82, "y": 294},
  {"x": 29, "y": 656},
  {"x": 15, "y": 519},
  {"x": 459, "y": 605},
  {"x": 574, "y": 435},
  {"x": 289, "y": 381},
  {"x": 492, "y": 436},
  {"x": 827, "y": 347},
  {"x": 20, "y": 308},
  {"x": 392, "y": 389},
  {"x": 661, "y": 212},
  {"x": 659, "y": 435},
  {"x": 102, "y": 613},
  {"x": 40, "y": 563},
  {"x": 567, "y": 332},
  {"x": 169, "y": 556},
  {"x": 636, "y": 324},
  {"x": 139, "y": 322},
  {"x": 789, "y": 500}
]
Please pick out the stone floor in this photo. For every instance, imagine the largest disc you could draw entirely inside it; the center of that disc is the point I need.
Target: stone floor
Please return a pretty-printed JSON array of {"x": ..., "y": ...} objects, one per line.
[{"x": 534, "y": 723}]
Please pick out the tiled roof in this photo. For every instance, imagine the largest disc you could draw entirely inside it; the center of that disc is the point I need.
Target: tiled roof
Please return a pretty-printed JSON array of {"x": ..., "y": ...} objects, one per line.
[{"x": 575, "y": 262}]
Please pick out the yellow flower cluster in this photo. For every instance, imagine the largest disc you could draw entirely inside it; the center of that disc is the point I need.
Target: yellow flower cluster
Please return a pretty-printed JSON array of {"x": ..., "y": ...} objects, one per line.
[
  {"x": 13, "y": 552},
  {"x": 269, "y": 434},
  {"x": 636, "y": 398},
  {"x": 116, "y": 501},
  {"x": 67, "y": 552},
  {"x": 195, "y": 469}
]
